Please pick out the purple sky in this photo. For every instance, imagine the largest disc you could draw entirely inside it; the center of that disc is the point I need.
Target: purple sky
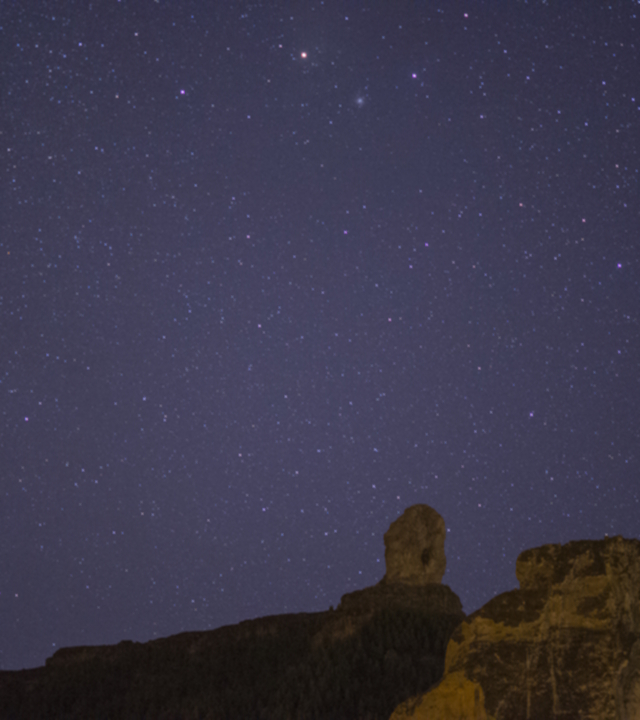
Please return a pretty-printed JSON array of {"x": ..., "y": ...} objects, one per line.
[{"x": 269, "y": 274}]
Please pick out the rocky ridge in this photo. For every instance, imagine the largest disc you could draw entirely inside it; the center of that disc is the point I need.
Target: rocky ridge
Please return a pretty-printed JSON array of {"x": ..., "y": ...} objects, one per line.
[
  {"x": 381, "y": 645},
  {"x": 565, "y": 645}
]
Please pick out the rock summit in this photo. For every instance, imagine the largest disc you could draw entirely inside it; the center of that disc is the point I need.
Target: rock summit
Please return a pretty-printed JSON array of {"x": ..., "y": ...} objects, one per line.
[{"x": 414, "y": 547}]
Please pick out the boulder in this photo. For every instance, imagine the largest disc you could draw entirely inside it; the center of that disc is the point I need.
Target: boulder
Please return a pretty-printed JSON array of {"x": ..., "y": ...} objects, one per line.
[
  {"x": 414, "y": 547},
  {"x": 565, "y": 645}
]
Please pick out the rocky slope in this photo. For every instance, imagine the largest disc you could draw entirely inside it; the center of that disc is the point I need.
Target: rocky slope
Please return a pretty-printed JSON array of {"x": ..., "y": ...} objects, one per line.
[{"x": 565, "y": 645}]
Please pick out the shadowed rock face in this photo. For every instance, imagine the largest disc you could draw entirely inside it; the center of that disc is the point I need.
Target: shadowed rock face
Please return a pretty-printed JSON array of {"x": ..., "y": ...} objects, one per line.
[
  {"x": 414, "y": 547},
  {"x": 565, "y": 645},
  {"x": 381, "y": 645}
]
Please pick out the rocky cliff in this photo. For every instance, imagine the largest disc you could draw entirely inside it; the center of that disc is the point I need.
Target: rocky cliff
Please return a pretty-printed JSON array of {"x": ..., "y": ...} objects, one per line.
[
  {"x": 381, "y": 645},
  {"x": 565, "y": 645}
]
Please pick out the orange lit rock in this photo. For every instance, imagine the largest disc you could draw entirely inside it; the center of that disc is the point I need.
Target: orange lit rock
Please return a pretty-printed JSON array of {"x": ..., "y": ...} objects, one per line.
[{"x": 565, "y": 645}]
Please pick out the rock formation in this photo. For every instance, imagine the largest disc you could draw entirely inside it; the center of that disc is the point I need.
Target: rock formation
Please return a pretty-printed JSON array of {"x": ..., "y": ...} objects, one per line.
[
  {"x": 565, "y": 645},
  {"x": 382, "y": 645},
  {"x": 415, "y": 563},
  {"x": 414, "y": 547}
]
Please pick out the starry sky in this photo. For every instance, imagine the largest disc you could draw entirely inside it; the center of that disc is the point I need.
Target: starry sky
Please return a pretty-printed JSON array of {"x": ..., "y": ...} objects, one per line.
[{"x": 271, "y": 273}]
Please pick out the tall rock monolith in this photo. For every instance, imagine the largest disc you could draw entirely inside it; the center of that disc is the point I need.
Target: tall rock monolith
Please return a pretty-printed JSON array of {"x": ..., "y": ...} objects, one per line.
[{"x": 414, "y": 547}]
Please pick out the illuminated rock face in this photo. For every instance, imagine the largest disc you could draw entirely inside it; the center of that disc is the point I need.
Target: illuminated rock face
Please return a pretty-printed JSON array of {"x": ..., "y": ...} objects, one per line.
[
  {"x": 414, "y": 547},
  {"x": 565, "y": 645}
]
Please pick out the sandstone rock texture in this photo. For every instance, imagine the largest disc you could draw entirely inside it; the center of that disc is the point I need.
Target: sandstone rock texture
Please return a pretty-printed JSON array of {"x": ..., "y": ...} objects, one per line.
[
  {"x": 414, "y": 547},
  {"x": 565, "y": 645}
]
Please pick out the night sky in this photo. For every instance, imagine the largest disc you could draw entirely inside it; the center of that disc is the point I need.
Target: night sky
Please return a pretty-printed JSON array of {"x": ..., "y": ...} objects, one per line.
[{"x": 271, "y": 273}]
